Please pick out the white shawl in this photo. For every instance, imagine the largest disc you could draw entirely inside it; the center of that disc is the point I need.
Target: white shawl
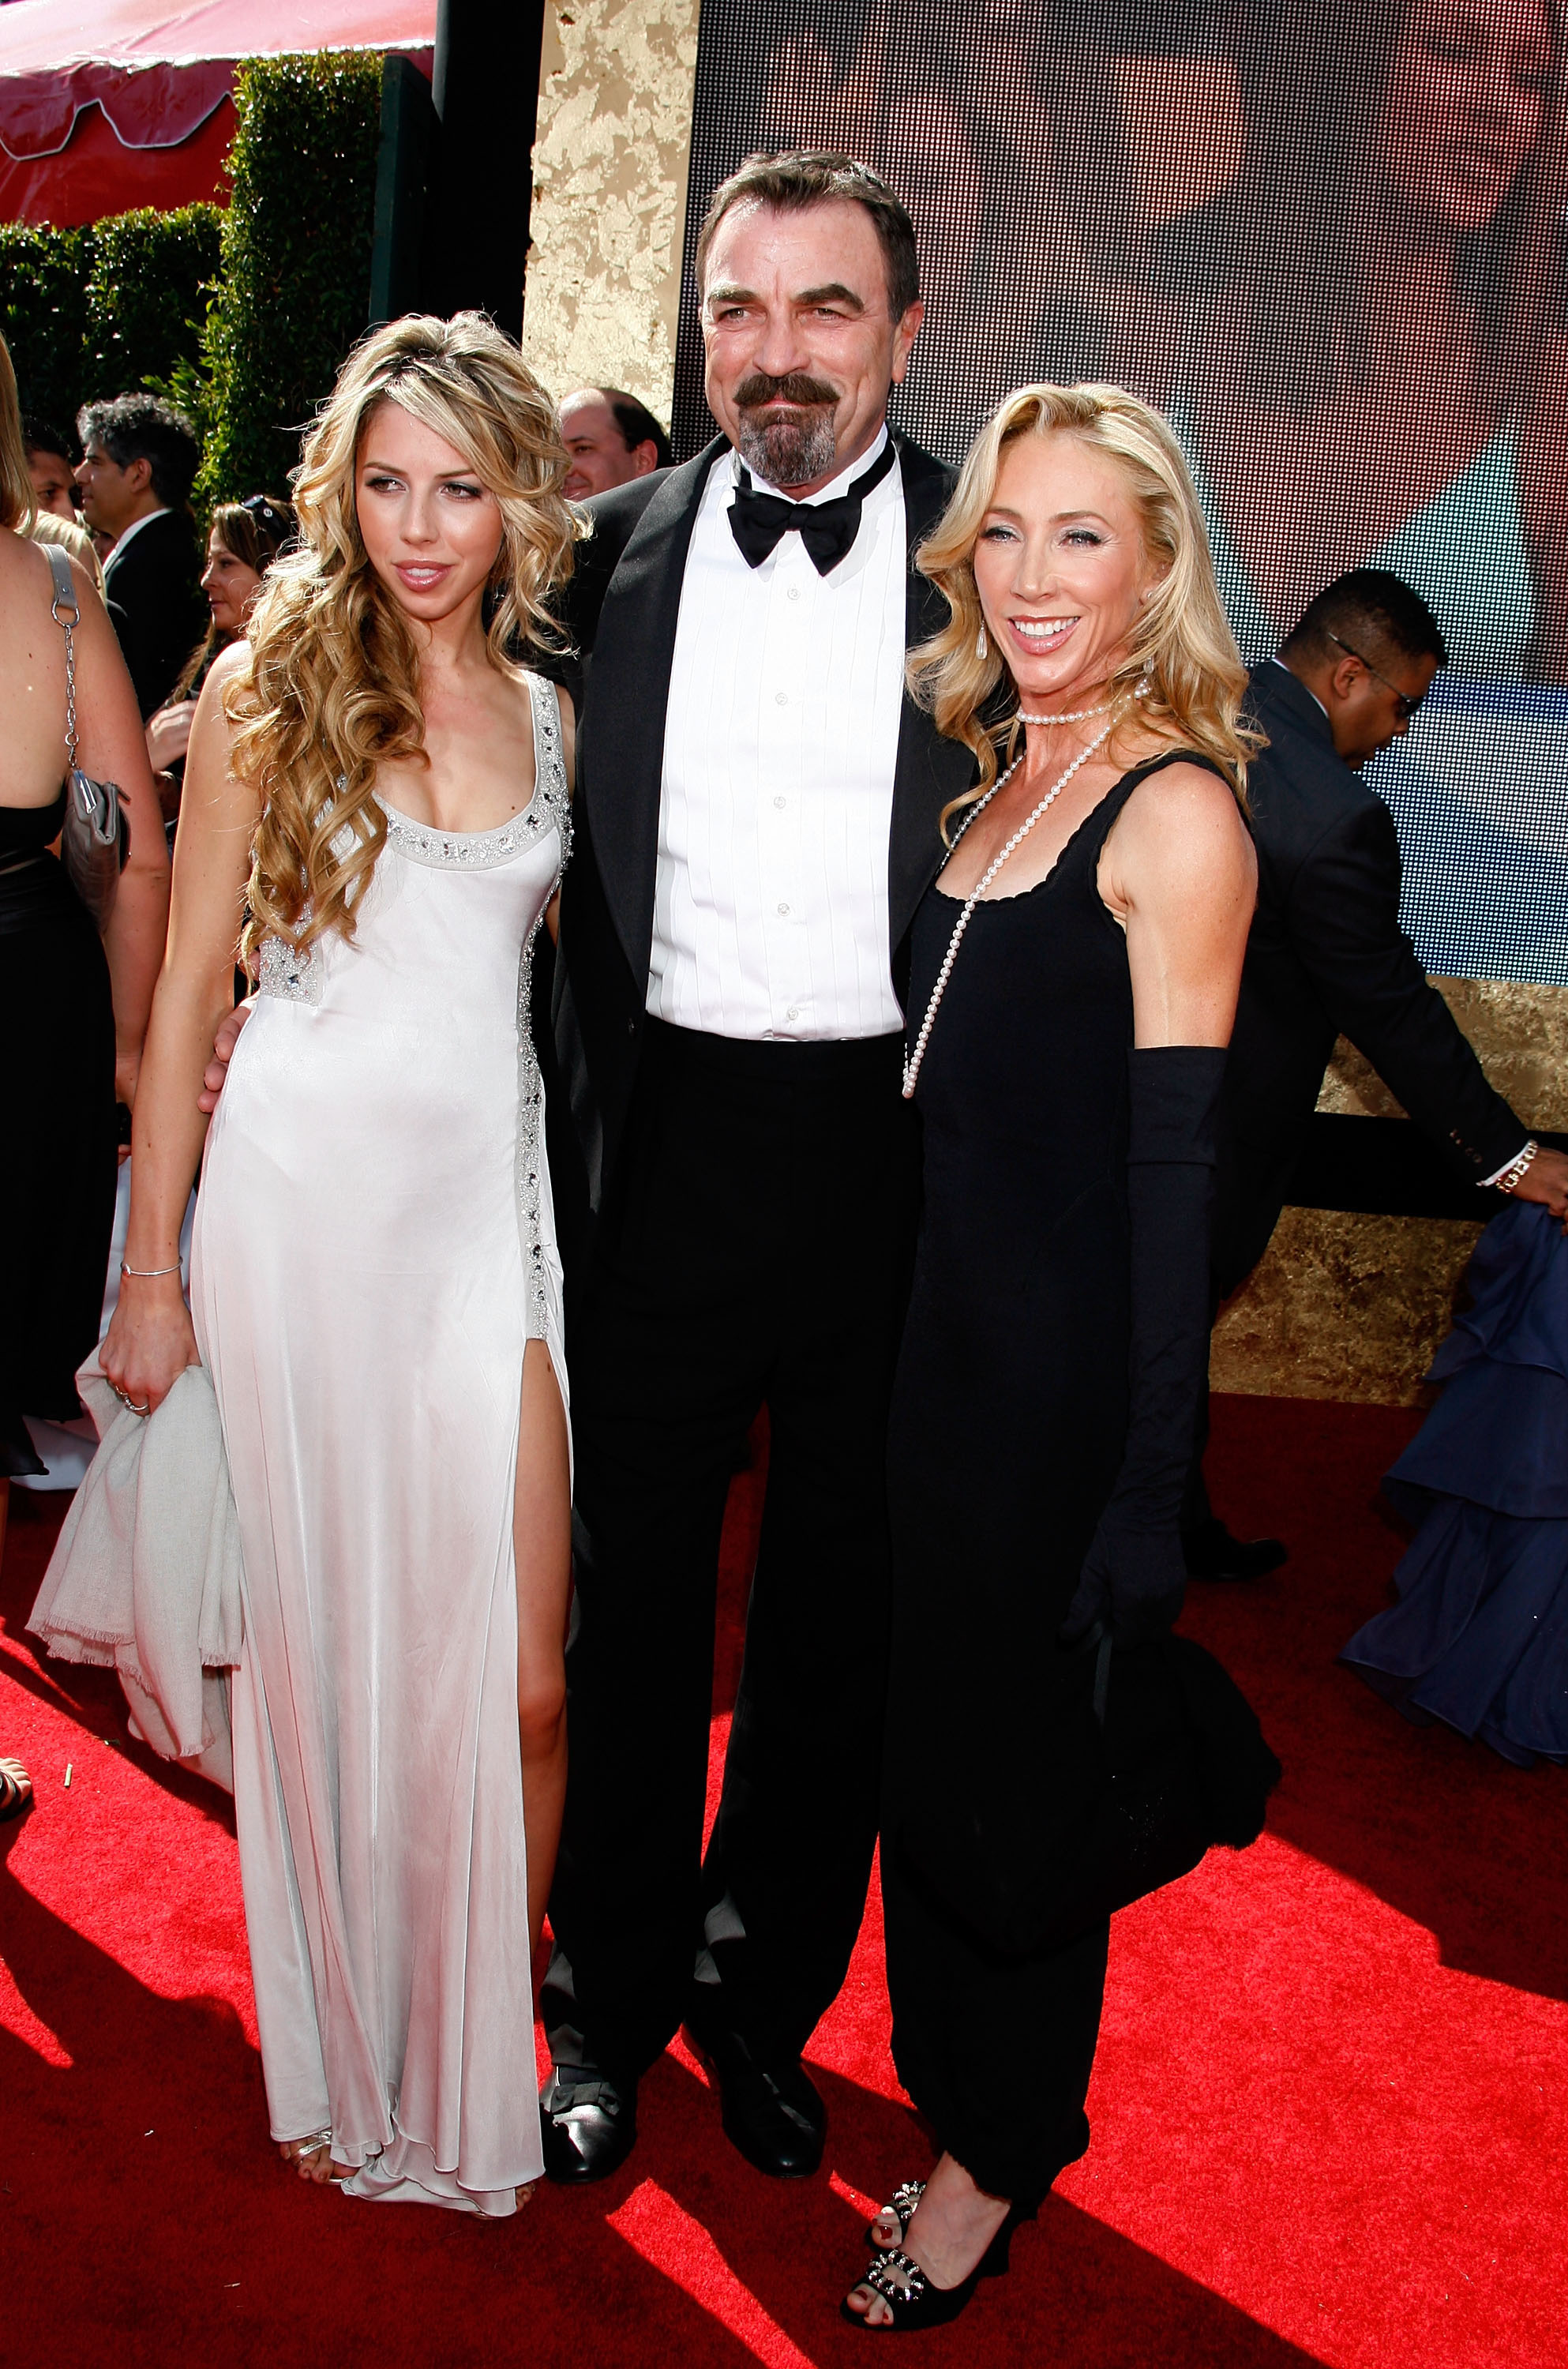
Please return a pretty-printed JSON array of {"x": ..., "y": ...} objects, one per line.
[{"x": 145, "y": 1576}]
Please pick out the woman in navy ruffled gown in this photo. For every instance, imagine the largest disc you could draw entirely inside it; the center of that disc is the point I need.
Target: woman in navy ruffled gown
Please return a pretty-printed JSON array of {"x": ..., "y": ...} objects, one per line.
[{"x": 1480, "y": 1635}]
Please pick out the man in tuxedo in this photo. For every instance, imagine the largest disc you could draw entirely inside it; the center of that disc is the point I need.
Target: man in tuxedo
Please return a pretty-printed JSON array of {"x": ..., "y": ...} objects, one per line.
[
  {"x": 611, "y": 438},
  {"x": 139, "y": 462},
  {"x": 1326, "y": 956},
  {"x": 757, "y": 818}
]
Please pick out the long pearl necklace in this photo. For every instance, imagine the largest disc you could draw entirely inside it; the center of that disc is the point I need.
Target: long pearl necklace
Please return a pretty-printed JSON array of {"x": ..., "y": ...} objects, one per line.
[{"x": 912, "y": 1060}]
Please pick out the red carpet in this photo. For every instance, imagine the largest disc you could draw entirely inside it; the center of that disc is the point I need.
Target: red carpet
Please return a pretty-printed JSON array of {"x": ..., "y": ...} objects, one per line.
[{"x": 1328, "y": 2111}]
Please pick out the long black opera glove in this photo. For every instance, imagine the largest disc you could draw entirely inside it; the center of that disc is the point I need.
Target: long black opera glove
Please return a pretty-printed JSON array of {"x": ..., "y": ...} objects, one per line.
[{"x": 1134, "y": 1574}]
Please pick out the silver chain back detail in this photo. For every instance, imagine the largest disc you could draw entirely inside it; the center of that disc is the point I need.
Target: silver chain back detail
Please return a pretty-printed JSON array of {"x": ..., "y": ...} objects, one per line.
[{"x": 70, "y": 632}]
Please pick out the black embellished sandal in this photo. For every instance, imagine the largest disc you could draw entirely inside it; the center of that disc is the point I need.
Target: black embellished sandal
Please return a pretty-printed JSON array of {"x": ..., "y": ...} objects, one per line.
[
  {"x": 900, "y": 2207},
  {"x": 914, "y": 2299}
]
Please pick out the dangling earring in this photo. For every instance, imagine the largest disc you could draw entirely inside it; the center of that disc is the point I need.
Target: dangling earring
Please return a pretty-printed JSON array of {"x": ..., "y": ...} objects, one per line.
[{"x": 981, "y": 644}]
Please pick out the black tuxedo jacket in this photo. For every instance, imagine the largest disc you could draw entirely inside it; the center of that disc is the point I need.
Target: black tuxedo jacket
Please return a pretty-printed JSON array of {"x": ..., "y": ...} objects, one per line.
[
  {"x": 1327, "y": 956},
  {"x": 622, "y": 606},
  {"x": 157, "y": 604}
]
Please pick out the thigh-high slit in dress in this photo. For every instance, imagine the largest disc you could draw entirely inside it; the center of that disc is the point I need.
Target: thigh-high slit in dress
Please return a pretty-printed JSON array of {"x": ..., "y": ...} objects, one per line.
[{"x": 374, "y": 1245}]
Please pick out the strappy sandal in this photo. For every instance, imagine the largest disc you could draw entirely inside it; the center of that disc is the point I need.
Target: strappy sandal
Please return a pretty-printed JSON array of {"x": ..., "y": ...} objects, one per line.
[
  {"x": 913, "y": 2298},
  {"x": 16, "y": 1789},
  {"x": 297, "y": 2151},
  {"x": 901, "y": 2205}
]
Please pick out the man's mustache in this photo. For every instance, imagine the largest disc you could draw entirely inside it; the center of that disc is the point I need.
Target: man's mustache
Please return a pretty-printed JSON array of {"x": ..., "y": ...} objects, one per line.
[{"x": 806, "y": 394}]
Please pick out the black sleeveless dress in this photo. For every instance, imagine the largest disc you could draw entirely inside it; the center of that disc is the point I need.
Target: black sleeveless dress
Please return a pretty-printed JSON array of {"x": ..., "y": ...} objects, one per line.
[
  {"x": 57, "y": 1179},
  {"x": 1009, "y": 1418}
]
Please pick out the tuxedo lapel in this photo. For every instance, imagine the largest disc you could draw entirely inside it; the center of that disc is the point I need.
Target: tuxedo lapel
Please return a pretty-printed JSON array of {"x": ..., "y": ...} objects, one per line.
[
  {"x": 633, "y": 649},
  {"x": 930, "y": 771}
]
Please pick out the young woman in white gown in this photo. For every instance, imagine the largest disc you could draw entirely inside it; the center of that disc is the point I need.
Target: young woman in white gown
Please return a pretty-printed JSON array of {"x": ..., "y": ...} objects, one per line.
[{"x": 374, "y": 1278}]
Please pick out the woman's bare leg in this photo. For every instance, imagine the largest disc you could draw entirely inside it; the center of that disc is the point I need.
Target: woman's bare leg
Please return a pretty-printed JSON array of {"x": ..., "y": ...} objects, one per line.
[{"x": 541, "y": 1531}]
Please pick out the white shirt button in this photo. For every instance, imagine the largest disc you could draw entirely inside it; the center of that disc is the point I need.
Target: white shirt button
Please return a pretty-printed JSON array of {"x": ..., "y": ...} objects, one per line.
[
  {"x": 781, "y": 698},
  {"x": 783, "y": 907},
  {"x": 795, "y": 591},
  {"x": 781, "y": 802},
  {"x": 793, "y": 1012}
]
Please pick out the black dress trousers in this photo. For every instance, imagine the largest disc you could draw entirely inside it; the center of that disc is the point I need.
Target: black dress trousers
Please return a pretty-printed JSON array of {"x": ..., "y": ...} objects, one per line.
[{"x": 755, "y": 1250}]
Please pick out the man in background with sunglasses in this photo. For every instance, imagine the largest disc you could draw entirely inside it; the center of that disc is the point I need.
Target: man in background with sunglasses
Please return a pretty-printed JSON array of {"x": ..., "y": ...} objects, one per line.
[{"x": 1327, "y": 956}]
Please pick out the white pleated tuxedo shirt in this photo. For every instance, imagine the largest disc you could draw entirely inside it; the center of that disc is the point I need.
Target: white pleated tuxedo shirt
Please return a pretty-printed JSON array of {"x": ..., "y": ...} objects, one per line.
[{"x": 780, "y": 744}]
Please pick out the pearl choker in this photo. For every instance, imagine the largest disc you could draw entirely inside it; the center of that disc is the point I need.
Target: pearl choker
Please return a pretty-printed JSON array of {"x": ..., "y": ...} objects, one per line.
[
  {"x": 1083, "y": 714},
  {"x": 1069, "y": 716}
]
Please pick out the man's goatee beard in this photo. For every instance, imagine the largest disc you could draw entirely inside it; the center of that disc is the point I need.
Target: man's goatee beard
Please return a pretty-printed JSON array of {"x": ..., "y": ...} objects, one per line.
[{"x": 791, "y": 451}]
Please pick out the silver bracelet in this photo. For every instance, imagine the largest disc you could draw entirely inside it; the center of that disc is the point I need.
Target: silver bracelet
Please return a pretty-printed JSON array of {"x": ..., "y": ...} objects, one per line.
[
  {"x": 145, "y": 1274},
  {"x": 1509, "y": 1178}
]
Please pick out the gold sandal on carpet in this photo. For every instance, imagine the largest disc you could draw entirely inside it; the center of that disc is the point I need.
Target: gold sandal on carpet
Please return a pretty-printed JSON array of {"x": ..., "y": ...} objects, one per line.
[{"x": 16, "y": 1789}]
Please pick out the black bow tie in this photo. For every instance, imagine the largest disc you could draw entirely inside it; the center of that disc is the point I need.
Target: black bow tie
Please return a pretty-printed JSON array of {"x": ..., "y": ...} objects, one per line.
[{"x": 826, "y": 529}]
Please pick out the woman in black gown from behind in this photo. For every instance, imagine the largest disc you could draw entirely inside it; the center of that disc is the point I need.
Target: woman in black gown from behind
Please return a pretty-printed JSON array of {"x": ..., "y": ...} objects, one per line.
[
  {"x": 73, "y": 1006},
  {"x": 1065, "y": 1063}
]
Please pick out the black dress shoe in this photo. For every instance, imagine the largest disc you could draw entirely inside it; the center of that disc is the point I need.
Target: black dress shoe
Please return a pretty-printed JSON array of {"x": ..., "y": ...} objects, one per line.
[
  {"x": 590, "y": 2123},
  {"x": 770, "y": 2110},
  {"x": 1212, "y": 1553}
]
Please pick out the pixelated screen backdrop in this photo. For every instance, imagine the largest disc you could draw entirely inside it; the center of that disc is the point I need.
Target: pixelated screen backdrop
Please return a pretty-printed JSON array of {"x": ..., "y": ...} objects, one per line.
[{"x": 1328, "y": 241}]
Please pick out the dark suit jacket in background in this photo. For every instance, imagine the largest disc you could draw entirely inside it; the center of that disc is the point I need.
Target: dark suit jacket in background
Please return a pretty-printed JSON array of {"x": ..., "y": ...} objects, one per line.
[
  {"x": 1326, "y": 956},
  {"x": 157, "y": 602},
  {"x": 623, "y": 605}
]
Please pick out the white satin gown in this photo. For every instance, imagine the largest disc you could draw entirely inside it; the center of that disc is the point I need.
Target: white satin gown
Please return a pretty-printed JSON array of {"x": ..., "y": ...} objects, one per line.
[{"x": 373, "y": 1246}]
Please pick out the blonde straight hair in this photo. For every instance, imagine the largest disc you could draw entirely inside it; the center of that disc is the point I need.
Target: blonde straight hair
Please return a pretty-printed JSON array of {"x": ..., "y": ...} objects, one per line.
[
  {"x": 17, "y": 504},
  {"x": 332, "y": 689},
  {"x": 1182, "y": 654}
]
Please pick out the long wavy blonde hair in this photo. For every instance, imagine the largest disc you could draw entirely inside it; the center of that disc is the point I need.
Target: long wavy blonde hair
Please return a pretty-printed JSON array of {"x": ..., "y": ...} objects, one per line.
[
  {"x": 332, "y": 688},
  {"x": 1183, "y": 653}
]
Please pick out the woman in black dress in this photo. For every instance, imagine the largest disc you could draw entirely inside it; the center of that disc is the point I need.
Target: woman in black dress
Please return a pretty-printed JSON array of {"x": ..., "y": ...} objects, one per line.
[
  {"x": 1074, "y": 977},
  {"x": 72, "y": 1007}
]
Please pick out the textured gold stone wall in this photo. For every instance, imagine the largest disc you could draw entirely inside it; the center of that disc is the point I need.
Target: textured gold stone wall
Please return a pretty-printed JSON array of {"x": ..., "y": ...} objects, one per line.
[
  {"x": 1520, "y": 1033},
  {"x": 615, "y": 88},
  {"x": 1344, "y": 1307}
]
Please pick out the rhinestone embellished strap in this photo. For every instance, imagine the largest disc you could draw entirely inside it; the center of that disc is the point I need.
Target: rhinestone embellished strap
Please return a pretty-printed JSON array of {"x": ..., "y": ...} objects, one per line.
[
  {"x": 879, "y": 2276},
  {"x": 465, "y": 851},
  {"x": 294, "y": 973},
  {"x": 552, "y": 803}
]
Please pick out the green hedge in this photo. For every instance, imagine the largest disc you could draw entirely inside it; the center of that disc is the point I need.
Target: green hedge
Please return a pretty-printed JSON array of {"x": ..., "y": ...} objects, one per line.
[
  {"x": 43, "y": 315},
  {"x": 149, "y": 280},
  {"x": 100, "y": 311},
  {"x": 293, "y": 286}
]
